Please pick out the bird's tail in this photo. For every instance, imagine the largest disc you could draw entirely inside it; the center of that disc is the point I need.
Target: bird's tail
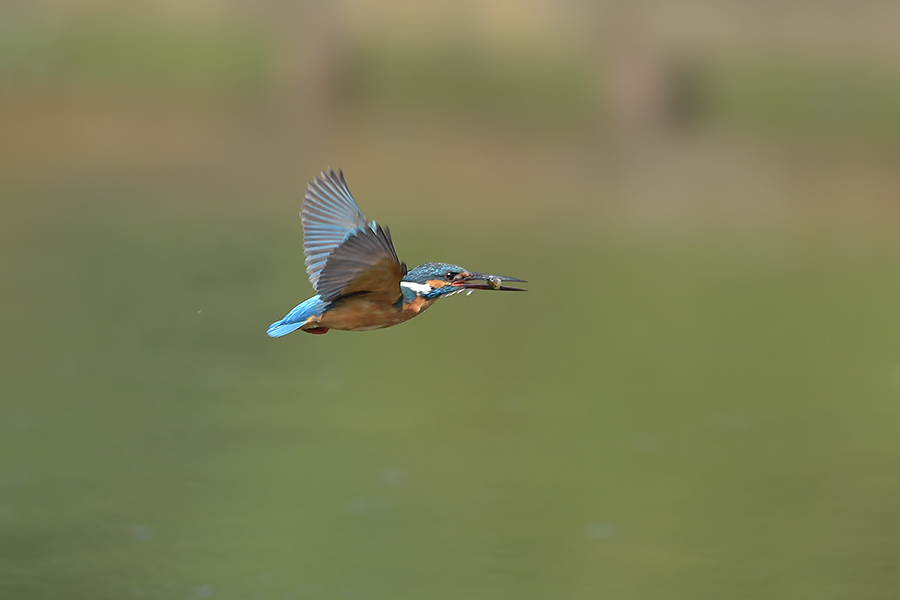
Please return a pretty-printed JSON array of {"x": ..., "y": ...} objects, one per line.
[{"x": 297, "y": 317}]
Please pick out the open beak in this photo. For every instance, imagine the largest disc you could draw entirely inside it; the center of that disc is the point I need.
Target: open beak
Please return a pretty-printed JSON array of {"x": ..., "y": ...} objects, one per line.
[{"x": 483, "y": 281}]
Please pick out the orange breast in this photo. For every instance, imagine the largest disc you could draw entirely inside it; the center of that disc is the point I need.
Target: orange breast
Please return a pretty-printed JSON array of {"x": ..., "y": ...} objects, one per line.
[{"x": 361, "y": 313}]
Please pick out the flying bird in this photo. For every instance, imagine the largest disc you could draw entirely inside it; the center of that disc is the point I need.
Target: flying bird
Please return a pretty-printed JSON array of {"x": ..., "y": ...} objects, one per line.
[{"x": 360, "y": 282}]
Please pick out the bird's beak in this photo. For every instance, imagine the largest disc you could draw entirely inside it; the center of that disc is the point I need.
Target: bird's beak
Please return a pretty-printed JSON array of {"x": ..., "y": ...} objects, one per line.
[{"x": 483, "y": 281}]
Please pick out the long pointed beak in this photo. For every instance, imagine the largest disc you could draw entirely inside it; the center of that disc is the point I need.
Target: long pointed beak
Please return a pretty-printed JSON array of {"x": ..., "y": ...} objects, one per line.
[{"x": 484, "y": 281}]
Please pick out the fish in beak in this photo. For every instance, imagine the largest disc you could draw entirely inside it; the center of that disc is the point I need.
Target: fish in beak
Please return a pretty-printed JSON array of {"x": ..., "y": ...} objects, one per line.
[{"x": 484, "y": 281}]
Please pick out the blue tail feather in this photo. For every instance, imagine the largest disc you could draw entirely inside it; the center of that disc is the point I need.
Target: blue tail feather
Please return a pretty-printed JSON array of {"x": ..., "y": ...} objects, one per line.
[{"x": 297, "y": 317}]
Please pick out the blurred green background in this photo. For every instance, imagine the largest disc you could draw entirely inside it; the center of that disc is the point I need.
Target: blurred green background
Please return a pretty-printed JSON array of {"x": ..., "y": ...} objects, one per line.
[{"x": 699, "y": 397}]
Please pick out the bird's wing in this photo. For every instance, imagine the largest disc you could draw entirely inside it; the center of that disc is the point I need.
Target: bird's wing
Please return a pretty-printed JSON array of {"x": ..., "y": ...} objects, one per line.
[
  {"x": 365, "y": 262},
  {"x": 329, "y": 216}
]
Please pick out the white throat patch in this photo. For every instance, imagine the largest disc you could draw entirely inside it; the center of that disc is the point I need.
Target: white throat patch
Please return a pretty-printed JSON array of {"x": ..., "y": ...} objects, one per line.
[{"x": 419, "y": 288}]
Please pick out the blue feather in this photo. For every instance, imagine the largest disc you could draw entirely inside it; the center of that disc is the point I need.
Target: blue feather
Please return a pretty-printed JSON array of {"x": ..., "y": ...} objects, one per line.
[{"x": 297, "y": 317}]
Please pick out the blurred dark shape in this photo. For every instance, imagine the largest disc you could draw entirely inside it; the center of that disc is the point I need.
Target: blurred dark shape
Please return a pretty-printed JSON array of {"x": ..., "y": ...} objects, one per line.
[{"x": 652, "y": 91}]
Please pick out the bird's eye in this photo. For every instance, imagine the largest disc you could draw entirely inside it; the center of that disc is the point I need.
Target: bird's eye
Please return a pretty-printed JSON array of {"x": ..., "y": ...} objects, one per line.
[{"x": 451, "y": 275}]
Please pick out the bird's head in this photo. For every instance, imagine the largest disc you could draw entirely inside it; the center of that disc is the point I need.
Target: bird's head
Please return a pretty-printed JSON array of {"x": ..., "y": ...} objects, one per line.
[{"x": 436, "y": 280}]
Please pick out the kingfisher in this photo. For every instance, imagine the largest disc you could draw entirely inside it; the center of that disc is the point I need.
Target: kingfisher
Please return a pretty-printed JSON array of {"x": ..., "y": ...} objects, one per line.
[{"x": 352, "y": 264}]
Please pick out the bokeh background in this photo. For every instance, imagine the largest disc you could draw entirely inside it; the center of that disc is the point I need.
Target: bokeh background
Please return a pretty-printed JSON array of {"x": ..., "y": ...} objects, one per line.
[{"x": 699, "y": 397}]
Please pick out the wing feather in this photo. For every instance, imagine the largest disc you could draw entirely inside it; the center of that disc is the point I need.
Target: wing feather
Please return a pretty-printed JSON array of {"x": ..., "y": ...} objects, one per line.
[
  {"x": 329, "y": 216},
  {"x": 365, "y": 262}
]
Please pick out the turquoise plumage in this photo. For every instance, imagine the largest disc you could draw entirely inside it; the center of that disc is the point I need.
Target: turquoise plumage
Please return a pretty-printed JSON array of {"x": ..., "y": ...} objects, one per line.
[{"x": 352, "y": 264}]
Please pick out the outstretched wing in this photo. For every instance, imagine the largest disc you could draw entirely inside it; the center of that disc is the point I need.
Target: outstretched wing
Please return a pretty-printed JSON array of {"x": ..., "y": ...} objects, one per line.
[
  {"x": 365, "y": 262},
  {"x": 329, "y": 216}
]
